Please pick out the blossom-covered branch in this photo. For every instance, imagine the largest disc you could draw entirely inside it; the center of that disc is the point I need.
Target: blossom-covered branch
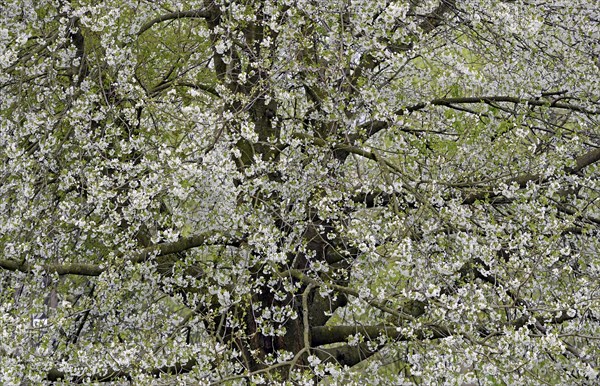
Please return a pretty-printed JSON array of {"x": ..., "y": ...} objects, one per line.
[{"x": 154, "y": 251}]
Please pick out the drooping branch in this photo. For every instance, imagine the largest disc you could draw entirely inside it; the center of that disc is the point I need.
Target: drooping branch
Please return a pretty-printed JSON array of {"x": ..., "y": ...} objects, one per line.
[
  {"x": 186, "y": 243},
  {"x": 348, "y": 148},
  {"x": 163, "y": 249},
  {"x": 196, "y": 86},
  {"x": 192, "y": 14}
]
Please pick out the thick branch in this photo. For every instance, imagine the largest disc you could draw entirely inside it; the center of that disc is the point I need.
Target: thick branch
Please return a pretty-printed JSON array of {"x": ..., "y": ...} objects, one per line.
[
  {"x": 345, "y": 355},
  {"x": 581, "y": 162},
  {"x": 163, "y": 249},
  {"x": 61, "y": 269},
  {"x": 116, "y": 375},
  {"x": 350, "y": 355},
  {"x": 586, "y": 160},
  {"x": 336, "y": 334},
  {"x": 436, "y": 17}
]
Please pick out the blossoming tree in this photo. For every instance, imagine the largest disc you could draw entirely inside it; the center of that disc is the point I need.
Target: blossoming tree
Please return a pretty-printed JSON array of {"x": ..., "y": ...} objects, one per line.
[{"x": 299, "y": 191}]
